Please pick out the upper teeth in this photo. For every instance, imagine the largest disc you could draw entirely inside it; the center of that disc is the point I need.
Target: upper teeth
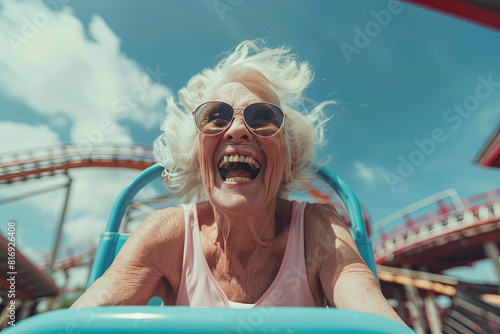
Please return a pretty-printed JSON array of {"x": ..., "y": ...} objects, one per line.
[{"x": 238, "y": 158}]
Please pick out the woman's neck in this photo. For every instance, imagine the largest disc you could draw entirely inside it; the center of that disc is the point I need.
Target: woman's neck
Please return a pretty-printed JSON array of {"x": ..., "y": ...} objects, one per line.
[
  {"x": 241, "y": 242},
  {"x": 252, "y": 230}
]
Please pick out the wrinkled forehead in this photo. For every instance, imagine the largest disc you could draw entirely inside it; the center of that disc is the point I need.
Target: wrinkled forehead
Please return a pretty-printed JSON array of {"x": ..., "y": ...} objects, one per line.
[{"x": 242, "y": 94}]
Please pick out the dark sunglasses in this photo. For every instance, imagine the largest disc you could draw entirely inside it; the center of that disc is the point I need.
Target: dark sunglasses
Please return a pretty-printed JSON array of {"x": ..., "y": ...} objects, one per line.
[{"x": 263, "y": 119}]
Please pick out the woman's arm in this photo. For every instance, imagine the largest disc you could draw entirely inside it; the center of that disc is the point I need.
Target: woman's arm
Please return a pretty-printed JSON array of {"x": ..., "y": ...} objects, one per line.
[
  {"x": 148, "y": 264},
  {"x": 347, "y": 281}
]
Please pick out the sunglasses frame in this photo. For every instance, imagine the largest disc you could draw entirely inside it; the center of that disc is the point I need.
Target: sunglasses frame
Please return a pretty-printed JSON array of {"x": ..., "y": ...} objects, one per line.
[{"x": 244, "y": 120}]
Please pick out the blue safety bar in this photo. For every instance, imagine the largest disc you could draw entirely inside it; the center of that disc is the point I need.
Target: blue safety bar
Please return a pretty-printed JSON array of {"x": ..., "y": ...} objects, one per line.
[{"x": 182, "y": 319}]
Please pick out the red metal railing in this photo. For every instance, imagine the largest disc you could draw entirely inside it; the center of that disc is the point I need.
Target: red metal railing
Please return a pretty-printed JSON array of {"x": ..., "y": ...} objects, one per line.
[
  {"x": 471, "y": 203},
  {"x": 44, "y": 161}
]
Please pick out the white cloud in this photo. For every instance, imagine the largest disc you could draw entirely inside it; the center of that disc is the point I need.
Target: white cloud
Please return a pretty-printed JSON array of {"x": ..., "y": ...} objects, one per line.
[
  {"x": 92, "y": 130},
  {"x": 94, "y": 191},
  {"x": 59, "y": 121},
  {"x": 22, "y": 141},
  {"x": 364, "y": 172},
  {"x": 19, "y": 136},
  {"x": 88, "y": 227},
  {"x": 49, "y": 63}
]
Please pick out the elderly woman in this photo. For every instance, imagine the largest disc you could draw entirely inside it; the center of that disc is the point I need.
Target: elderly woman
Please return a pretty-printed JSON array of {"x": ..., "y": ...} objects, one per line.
[{"x": 241, "y": 243}]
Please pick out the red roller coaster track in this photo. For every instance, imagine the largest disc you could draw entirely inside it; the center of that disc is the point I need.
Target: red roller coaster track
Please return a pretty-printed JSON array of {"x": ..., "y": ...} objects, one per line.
[{"x": 48, "y": 161}]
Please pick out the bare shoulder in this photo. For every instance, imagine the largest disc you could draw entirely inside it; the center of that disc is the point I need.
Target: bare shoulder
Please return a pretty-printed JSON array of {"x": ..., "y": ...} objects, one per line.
[
  {"x": 323, "y": 221},
  {"x": 148, "y": 264},
  {"x": 326, "y": 234},
  {"x": 163, "y": 233},
  {"x": 166, "y": 225}
]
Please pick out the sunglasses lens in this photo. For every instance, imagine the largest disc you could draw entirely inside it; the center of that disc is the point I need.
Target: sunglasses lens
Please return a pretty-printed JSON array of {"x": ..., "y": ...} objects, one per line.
[
  {"x": 213, "y": 117},
  {"x": 264, "y": 119}
]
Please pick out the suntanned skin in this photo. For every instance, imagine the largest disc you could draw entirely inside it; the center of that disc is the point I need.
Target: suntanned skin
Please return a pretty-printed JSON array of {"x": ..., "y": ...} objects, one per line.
[{"x": 243, "y": 232}]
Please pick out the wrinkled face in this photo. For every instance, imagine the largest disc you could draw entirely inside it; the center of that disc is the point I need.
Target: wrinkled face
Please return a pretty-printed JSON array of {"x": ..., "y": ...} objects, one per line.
[{"x": 241, "y": 171}]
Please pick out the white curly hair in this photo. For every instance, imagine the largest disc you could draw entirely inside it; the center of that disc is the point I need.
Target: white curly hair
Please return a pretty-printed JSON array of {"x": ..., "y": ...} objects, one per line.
[{"x": 251, "y": 62}]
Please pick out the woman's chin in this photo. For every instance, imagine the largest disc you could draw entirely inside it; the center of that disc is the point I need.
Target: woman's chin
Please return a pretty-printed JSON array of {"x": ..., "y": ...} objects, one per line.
[{"x": 237, "y": 200}]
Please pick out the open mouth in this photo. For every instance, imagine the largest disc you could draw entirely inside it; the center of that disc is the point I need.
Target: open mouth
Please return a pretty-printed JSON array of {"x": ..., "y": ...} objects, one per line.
[{"x": 238, "y": 168}]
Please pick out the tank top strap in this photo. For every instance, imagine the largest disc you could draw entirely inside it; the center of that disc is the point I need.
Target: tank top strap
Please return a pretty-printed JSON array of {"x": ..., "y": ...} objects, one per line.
[{"x": 196, "y": 287}]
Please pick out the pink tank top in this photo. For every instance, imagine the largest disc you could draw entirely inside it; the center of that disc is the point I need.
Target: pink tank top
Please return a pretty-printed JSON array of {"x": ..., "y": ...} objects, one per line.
[{"x": 198, "y": 287}]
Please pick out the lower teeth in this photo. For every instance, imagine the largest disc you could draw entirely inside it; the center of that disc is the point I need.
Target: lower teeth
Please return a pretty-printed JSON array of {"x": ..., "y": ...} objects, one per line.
[{"x": 238, "y": 179}]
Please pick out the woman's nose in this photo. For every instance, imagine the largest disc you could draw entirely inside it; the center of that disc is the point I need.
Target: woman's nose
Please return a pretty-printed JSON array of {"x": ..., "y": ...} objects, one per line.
[{"x": 238, "y": 130}]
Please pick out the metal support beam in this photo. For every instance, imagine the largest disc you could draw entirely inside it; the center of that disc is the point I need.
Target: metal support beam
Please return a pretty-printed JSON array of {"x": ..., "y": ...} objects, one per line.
[
  {"x": 415, "y": 314},
  {"x": 432, "y": 312},
  {"x": 4, "y": 315},
  {"x": 398, "y": 293},
  {"x": 50, "y": 268},
  {"x": 33, "y": 193},
  {"x": 26, "y": 307}
]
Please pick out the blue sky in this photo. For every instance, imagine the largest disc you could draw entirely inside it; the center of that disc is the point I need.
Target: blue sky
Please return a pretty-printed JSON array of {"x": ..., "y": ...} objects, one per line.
[{"x": 60, "y": 79}]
